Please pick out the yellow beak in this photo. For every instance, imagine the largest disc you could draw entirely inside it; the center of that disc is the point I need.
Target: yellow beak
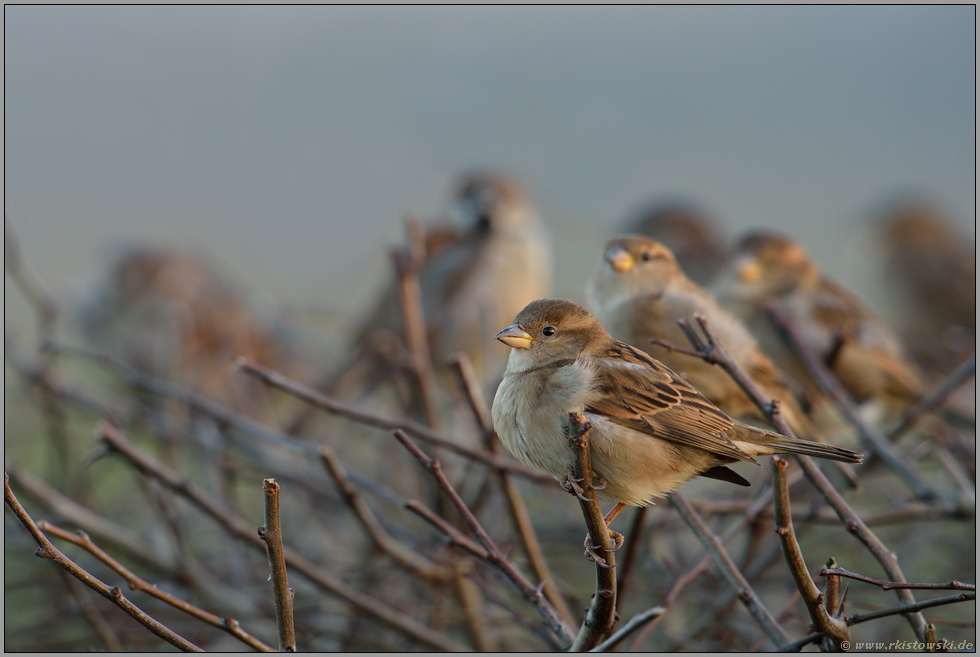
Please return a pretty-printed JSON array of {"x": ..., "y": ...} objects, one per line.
[
  {"x": 748, "y": 270},
  {"x": 514, "y": 336},
  {"x": 620, "y": 259}
]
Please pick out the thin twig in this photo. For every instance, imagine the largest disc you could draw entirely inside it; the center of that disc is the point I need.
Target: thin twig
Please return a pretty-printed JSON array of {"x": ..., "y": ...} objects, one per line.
[
  {"x": 960, "y": 375},
  {"x": 908, "y": 609},
  {"x": 113, "y": 594},
  {"x": 136, "y": 583},
  {"x": 271, "y": 534},
  {"x": 714, "y": 351},
  {"x": 635, "y": 623},
  {"x": 381, "y": 538},
  {"x": 731, "y": 572},
  {"x": 889, "y": 586},
  {"x": 601, "y": 615},
  {"x": 409, "y": 426},
  {"x": 472, "y": 603},
  {"x": 830, "y": 386},
  {"x": 518, "y": 509},
  {"x": 494, "y": 556},
  {"x": 833, "y": 628},
  {"x": 241, "y": 528}
]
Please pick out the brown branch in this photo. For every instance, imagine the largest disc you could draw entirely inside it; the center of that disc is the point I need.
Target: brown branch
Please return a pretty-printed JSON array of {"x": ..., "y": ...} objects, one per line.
[
  {"x": 472, "y": 603},
  {"x": 830, "y": 386},
  {"x": 113, "y": 594},
  {"x": 408, "y": 263},
  {"x": 136, "y": 583},
  {"x": 518, "y": 510},
  {"x": 730, "y": 571},
  {"x": 241, "y": 528},
  {"x": 908, "y": 609},
  {"x": 84, "y": 518},
  {"x": 635, "y": 623},
  {"x": 601, "y": 615},
  {"x": 889, "y": 586},
  {"x": 833, "y": 628},
  {"x": 714, "y": 351},
  {"x": 271, "y": 534},
  {"x": 530, "y": 593},
  {"x": 381, "y": 538},
  {"x": 960, "y": 375},
  {"x": 409, "y": 426}
]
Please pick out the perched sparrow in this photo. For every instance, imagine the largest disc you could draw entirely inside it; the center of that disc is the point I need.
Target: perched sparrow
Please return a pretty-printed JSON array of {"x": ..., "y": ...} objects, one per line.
[
  {"x": 867, "y": 358},
  {"x": 473, "y": 279},
  {"x": 170, "y": 315},
  {"x": 639, "y": 292},
  {"x": 652, "y": 431},
  {"x": 698, "y": 244},
  {"x": 933, "y": 271}
]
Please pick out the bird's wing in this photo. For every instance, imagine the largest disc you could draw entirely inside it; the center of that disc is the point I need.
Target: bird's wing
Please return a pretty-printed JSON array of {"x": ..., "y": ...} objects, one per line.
[{"x": 634, "y": 390}]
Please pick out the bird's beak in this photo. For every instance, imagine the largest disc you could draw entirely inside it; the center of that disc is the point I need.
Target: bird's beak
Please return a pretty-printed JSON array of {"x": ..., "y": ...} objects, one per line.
[
  {"x": 514, "y": 336},
  {"x": 748, "y": 270},
  {"x": 619, "y": 259}
]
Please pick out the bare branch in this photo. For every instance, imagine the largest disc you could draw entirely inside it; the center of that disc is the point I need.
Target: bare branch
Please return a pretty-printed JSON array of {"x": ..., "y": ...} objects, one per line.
[
  {"x": 601, "y": 615},
  {"x": 518, "y": 510},
  {"x": 239, "y": 527},
  {"x": 113, "y": 594},
  {"x": 382, "y": 539},
  {"x": 889, "y": 586},
  {"x": 833, "y": 628},
  {"x": 731, "y": 572},
  {"x": 908, "y": 609},
  {"x": 271, "y": 534},
  {"x": 494, "y": 556},
  {"x": 136, "y": 583},
  {"x": 635, "y": 623},
  {"x": 960, "y": 375}
]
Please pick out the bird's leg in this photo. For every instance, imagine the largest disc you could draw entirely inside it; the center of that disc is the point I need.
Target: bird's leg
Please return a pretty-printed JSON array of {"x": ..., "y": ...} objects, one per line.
[{"x": 615, "y": 511}]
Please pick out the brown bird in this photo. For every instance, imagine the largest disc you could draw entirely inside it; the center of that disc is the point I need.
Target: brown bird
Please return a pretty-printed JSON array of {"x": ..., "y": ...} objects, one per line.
[
  {"x": 639, "y": 292},
  {"x": 652, "y": 431},
  {"x": 169, "y": 314},
  {"x": 862, "y": 352},
  {"x": 933, "y": 271},
  {"x": 472, "y": 280},
  {"x": 698, "y": 244}
]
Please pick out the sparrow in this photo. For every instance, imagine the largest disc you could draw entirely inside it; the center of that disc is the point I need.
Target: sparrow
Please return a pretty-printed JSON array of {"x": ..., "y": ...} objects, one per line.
[
  {"x": 651, "y": 430},
  {"x": 475, "y": 274},
  {"x": 933, "y": 271},
  {"x": 862, "y": 352},
  {"x": 698, "y": 244},
  {"x": 170, "y": 315},
  {"x": 639, "y": 291}
]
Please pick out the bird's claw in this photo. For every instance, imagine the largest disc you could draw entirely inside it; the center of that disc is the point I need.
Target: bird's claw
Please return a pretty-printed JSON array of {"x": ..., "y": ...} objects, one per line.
[
  {"x": 601, "y": 485},
  {"x": 570, "y": 484}
]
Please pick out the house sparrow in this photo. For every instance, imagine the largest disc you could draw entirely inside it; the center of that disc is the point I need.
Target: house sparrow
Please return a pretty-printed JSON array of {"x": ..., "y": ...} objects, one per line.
[
  {"x": 864, "y": 354},
  {"x": 933, "y": 271},
  {"x": 698, "y": 244},
  {"x": 651, "y": 430},
  {"x": 472, "y": 280},
  {"x": 168, "y": 314},
  {"x": 639, "y": 292}
]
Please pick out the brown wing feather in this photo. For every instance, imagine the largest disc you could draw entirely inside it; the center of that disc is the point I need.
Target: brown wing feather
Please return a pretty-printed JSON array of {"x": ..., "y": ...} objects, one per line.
[{"x": 640, "y": 393}]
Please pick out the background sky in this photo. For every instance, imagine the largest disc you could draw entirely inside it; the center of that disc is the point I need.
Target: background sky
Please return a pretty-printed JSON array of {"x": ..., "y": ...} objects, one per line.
[{"x": 288, "y": 142}]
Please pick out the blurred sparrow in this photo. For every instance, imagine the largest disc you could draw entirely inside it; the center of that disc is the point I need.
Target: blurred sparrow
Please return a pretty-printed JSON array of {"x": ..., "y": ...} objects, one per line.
[
  {"x": 933, "y": 271},
  {"x": 652, "y": 431},
  {"x": 168, "y": 314},
  {"x": 472, "y": 280},
  {"x": 698, "y": 244},
  {"x": 867, "y": 358},
  {"x": 639, "y": 292}
]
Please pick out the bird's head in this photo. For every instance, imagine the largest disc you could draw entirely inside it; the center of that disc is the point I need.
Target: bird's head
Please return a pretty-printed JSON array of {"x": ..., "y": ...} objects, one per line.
[{"x": 550, "y": 330}]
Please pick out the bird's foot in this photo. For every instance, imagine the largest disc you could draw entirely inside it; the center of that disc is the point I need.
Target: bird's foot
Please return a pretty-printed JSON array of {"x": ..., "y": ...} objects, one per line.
[{"x": 570, "y": 484}]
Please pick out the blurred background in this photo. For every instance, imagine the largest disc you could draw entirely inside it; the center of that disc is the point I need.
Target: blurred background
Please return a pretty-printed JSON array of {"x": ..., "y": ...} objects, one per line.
[
  {"x": 284, "y": 147},
  {"x": 288, "y": 143}
]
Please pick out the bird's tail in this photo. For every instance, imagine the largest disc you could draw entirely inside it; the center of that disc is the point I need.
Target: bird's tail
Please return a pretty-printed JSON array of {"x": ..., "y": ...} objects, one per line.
[{"x": 758, "y": 442}]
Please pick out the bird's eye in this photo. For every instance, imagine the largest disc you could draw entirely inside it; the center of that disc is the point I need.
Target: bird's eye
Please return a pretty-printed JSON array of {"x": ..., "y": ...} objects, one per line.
[
  {"x": 548, "y": 331},
  {"x": 646, "y": 255}
]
